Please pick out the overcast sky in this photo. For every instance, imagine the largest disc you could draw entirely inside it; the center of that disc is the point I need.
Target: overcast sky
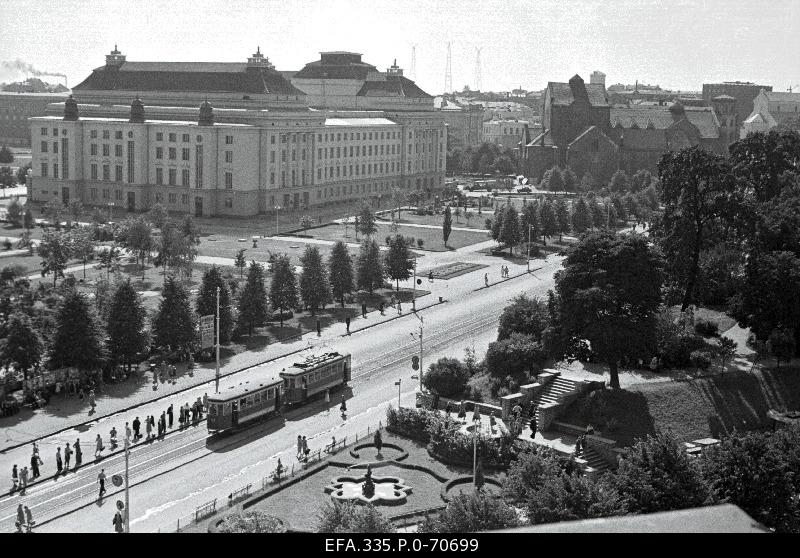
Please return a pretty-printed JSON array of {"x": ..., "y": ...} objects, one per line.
[{"x": 678, "y": 44}]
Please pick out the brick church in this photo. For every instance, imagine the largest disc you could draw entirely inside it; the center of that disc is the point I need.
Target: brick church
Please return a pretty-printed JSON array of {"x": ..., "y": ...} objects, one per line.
[{"x": 583, "y": 131}]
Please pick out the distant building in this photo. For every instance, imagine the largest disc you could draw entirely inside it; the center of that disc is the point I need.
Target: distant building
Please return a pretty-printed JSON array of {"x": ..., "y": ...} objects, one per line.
[
  {"x": 16, "y": 108},
  {"x": 464, "y": 122},
  {"x": 507, "y": 133},
  {"x": 771, "y": 109},
  {"x": 597, "y": 78},
  {"x": 743, "y": 91}
]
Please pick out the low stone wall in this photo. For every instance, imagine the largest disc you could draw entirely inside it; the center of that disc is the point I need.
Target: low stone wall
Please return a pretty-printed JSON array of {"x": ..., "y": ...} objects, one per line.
[
  {"x": 605, "y": 448},
  {"x": 425, "y": 400},
  {"x": 549, "y": 412}
]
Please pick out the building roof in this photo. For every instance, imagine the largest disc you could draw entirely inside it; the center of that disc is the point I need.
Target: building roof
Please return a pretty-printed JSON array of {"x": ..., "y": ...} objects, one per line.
[
  {"x": 545, "y": 139},
  {"x": 755, "y": 118},
  {"x": 660, "y": 118},
  {"x": 359, "y": 122},
  {"x": 245, "y": 388},
  {"x": 228, "y": 77},
  {"x": 782, "y": 96},
  {"x": 561, "y": 94},
  {"x": 347, "y": 70},
  {"x": 311, "y": 362},
  {"x": 394, "y": 86}
]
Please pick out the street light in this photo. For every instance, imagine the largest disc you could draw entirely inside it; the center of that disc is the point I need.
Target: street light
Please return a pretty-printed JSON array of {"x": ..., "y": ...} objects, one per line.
[
  {"x": 421, "y": 369},
  {"x": 475, "y": 424},
  {"x": 529, "y": 247},
  {"x": 414, "y": 286},
  {"x": 217, "y": 371},
  {"x": 127, "y": 496},
  {"x": 277, "y": 208}
]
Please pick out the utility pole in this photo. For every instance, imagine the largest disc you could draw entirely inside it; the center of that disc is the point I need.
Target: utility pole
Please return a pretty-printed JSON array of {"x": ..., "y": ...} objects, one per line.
[
  {"x": 475, "y": 424},
  {"x": 217, "y": 374},
  {"x": 448, "y": 73},
  {"x": 421, "y": 369},
  {"x": 127, "y": 492},
  {"x": 414, "y": 285},
  {"x": 529, "y": 248},
  {"x": 277, "y": 208},
  {"x": 397, "y": 383}
]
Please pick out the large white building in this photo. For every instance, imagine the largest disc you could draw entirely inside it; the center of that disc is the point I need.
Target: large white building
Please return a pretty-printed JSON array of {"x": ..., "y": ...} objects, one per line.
[
  {"x": 133, "y": 135},
  {"x": 771, "y": 108}
]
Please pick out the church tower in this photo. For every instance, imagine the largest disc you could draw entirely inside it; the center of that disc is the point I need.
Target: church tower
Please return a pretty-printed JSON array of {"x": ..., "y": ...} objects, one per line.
[{"x": 725, "y": 109}]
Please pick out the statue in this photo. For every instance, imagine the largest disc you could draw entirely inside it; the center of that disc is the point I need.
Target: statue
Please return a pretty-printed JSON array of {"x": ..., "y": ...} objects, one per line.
[
  {"x": 378, "y": 441},
  {"x": 368, "y": 490}
]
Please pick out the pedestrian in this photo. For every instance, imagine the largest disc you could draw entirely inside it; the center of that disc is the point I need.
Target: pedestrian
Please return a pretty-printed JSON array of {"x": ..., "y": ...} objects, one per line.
[
  {"x": 35, "y": 466},
  {"x": 91, "y": 399},
  {"x": 327, "y": 397},
  {"x": 578, "y": 446},
  {"x": 181, "y": 417},
  {"x": 343, "y": 406},
  {"x": 78, "y": 453},
  {"x": 462, "y": 410},
  {"x": 163, "y": 422},
  {"x": 20, "y": 519},
  {"x": 304, "y": 450},
  {"x": 319, "y": 328},
  {"x": 299, "y": 445},
  {"x": 492, "y": 420},
  {"x": 533, "y": 427},
  {"x": 199, "y": 404},
  {"x": 29, "y": 518},
  {"x": 137, "y": 424},
  {"x": 363, "y": 309},
  {"x": 380, "y": 306},
  {"x": 347, "y": 323},
  {"x": 80, "y": 393},
  {"x": 205, "y": 402},
  {"x": 589, "y": 429},
  {"x": 486, "y": 279},
  {"x": 112, "y": 437},
  {"x": 98, "y": 449},
  {"x": 67, "y": 455},
  {"x": 14, "y": 478},
  {"x": 101, "y": 479},
  {"x": 399, "y": 306},
  {"x": 23, "y": 479},
  {"x": 148, "y": 427},
  {"x": 59, "y": 463},
  {"x": 430, "y": 276},
  {"x": 118, "y": 523},
  {"x": 169, "y": 414},
  {"x": 502, "y": 271}
]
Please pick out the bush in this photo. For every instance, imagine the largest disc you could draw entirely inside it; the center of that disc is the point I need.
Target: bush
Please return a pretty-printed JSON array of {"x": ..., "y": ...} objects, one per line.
[
  {"x": 347, "y": 517},
  {"x": 488, "y": 224},
  {"x": 447, "y": 441},
  {"x": 411, "y": 423},
  {"x": 706, "y": 328},
  {"x": 388, "y": 240},
  {"x": 251, "y": 522},
  {"x": 700, "y": 359},
  {"x": 420, "y": 243},
  {"x": 514, "y": 355},
  {"x": 448, "y": 377},
  {"x": 7, "y": 244}
]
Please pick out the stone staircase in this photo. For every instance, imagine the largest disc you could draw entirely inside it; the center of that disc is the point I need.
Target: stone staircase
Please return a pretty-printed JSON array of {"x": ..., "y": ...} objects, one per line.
[
  {"x": 553, "y": 391},
  {"x": 592, "y": 463}
]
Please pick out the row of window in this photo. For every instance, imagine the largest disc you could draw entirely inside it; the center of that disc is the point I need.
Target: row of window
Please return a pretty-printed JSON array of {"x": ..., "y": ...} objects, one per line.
[{"x": 43, "y": 132}]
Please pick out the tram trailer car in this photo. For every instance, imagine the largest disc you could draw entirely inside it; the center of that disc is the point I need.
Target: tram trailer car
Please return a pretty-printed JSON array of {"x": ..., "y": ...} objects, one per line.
[
  {"x": 244, "y": 403},
  {"x": 314, "y": 375}
]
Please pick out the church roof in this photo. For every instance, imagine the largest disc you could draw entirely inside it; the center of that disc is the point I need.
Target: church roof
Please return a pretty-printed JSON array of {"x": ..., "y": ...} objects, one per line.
[
  {"x": 660, "y": 118},
  {"x": 228, "y": 77},
  {"x": 394, "y": 86},
  {"x": 561, "y": 94},
  {"x": 782, "y": 96},
  {"x": 327, "y": 70}
]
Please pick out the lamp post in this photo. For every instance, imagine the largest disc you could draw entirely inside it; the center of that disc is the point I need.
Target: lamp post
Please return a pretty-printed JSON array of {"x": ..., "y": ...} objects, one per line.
[
  {"x": 414, "y": 286},
  {"x": 529, "y": 248},
  {"x": 277, "y": 208},
  {"x": 127, "y": 495},
  {"x": 397, "y": 383},
  {"x": 475, "y": 448},
  {"x": 217, "y": 371},
  {"x": 421, "y": 369}
]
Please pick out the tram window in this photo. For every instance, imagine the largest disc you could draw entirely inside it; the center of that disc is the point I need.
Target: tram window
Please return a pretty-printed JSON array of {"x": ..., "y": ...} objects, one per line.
[
  {"x": 250, "y": 401},
  {"x": 257, "y": 397},
  {"x": 268, "y": 394},
  {"x": 212, "y": 410},
  {"x": 226, "y": 410},
  {"x": 242, "y": 401}
]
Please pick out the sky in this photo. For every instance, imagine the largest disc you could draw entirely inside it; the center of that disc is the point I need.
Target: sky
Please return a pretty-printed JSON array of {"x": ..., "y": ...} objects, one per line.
[{"x": 678, "y": 44}]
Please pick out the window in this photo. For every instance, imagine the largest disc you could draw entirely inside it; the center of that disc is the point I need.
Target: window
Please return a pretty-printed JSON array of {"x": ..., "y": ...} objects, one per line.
[
  {"x": 55, "y": 147},
  {"x": 272, "y": 140},
  {"x": 229, "y": 202},
  {"x": 159, "y": 136},
  {"x": 93, "y": 171},
  {"x": 93, "y": 149},
  {"x": 92, "y": 134},
  {"x": 44, "y": 170},
  {"x": 106, "y": 150},
  {"x": 55, "y": 131},
  {"x": 118, "y": 194},
  {"x": 173, "y": 153},
  {"x": 229, "y": 156},
  {"x": 228, "y": 140},
  {"x": 118, "y": 134},
  {"x": 130, "y": 162},
  {"x": 228, "y": 180},
  {"x": 294, "y": 155},
  {"x": 185, "y": 154},
  {"x": 159, "y": 152},
  {"x": 159, "y": 176},
  {"x": 43, "y": 131},
  {"x": 173, "y": 198},
  {"x": 44, "y": 147},
  {"x": 185, "y": 199},
  {"x": 93, "y": 193},
  {"x": 106, "y": 172},
  {"x": 173, "y": 177},
  {"x": 173, "y": 137},
  {"x": 185, "y": 178},
  {"x": 118, "y": 173},
  {"x": 118, "y": 150},
  {"x": 272, "y": 178},
  {"x": 106, "y": 134},
  {"x": 185, "y": 138},
  {"x": 271, "y": 156},
  {"x": 159, "y": 198},
  {"x": 283, "y": 155}
]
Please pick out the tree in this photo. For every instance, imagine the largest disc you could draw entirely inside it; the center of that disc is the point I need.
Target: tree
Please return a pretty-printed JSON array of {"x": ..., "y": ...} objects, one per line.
[
  {"x": 137, "y": 236},
  {"x": 53, "y": 210},
  {"x": 22, "y": 174},
  {"x": 306, "y": 221},
  {"x": 315, "y": 290},
  {"x": 77, "y": 339},
  {"x": 570, "y": 497},
  {"x": 526, "y": 315},
  {"x": 207, "y": 302},
  {"x": 6, "y": 156},
  {"x": 347, "y": 517},
  {"x": 253, "y": 299},
  {"x": 447, "y": 225},
  {"x": 658, "y": 475},
  {"x": 548, "y": 220},
  {"x": 531, "y": 468},
  {"x": 781, "y": 344},
  {"x": 158, "y": 215},
  {"x": 581, "y": 217},
  {"x": 370, "y": 271},
  {"x": 82, "y": 245},
  {"x": 283, "y": 289},
  {"x": 562, "y": 218},
  {"x": 28, "y": 221},
  {"x": 570, "y": 180},
  {"x": 22, "y": 346},
  {"x": 251, "y": 522},
  {"x": 765, "y": 162},
  {"x": 109, "y": 260},
  {"x": 127, "y": 336},
  {"x": 619, "y": 182},
  {"x": 14, "y": 211},
  {"x": 399, "y": 262},
  {"x": 587, "y": 183},
  {"x": 472, "y": 511},
  {"x": 514, "y": 355},
  {"x": 727, "y": 350},
  {"x": 530, "y": 221},
  {"x": 509, "y": 230},
  {"x": 447, "y": 377},
  {"x": 696, "y": 186},
  {"x": 75, "y": 209},
  {"x": 556, "y": 182},
  {"x": 640, "y": 181},
  {"x": 240, "y": 262},
  {"x": 55, "y": 250},
  {"x": 340, "y": 266},
  {"x": 366, "y": 221},
  {"x": 599, "y": 215},
  {"x": 7, "y": 179},
  {"x": 174, "y": 322},
  {"x": 608, "y": 294}
]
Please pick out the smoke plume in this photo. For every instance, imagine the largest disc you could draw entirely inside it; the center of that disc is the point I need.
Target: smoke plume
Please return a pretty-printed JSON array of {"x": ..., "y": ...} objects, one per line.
[{"x": 20, "y": 66}]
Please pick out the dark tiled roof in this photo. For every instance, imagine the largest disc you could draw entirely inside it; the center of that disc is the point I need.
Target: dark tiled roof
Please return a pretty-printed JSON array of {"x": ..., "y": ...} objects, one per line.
[
  {"x": 660, "y": 118},
  {"x": 394, "y": 86},
  {"x": 188, "y": 76},
  {"x": 352, "y": 70},
  {"x": 544, "y": 139},
  {"x": 561, "y": 94}
]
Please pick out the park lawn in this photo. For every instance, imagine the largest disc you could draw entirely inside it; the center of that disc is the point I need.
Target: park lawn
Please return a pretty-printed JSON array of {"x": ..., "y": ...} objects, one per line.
[
  {"x": 698, "y": 408},
  {"x": 432, "y": 238},
  {"x": 32, "y": 264},
  {"x": 477, "y": 222},
  {"x": 223, "y": 246},
  {"x": 725, "y": 322}
]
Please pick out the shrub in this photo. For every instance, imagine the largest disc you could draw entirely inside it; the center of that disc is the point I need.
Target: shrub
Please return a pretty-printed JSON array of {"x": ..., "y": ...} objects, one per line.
[
  {"x": 251, "y": 522},
  {"x": 701, "y": 359},
  {"x": 388, "y": 240},
  {"x": 411, "y": 423},
  {"x": 420, "y": 243},
  {"x": 446, "y": 440},
  {"x": 488, "y": 224},
  {"x": 472, "y": 511},
  {"x": 347, "y": 517},
  {"x": 7, "y": 244},
  {"x": 447, "y": 377},
  {"x": 706, "y": 328},
  {"x": 514, "y": 355}
]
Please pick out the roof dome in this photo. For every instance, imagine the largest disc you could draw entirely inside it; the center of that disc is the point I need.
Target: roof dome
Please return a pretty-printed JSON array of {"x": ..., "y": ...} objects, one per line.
[
  {"x": 206, "y": 114},
  {"x": 70, "y": 109},
  {"x": 137, "y": 111}
]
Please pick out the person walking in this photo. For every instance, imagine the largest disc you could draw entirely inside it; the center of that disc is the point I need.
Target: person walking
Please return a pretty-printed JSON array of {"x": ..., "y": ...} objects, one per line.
[
  {"x": 35, "y": 466},
  {"x": 59, "y": 463},
  {"x": 343, "y": 406},
  {"x": 327, "y": 397},
  {"x": 299, "y": 445},
  {"x": 67, "y": 455},
  {"x": 14, "y": 478},
  {"x": 148, "y": 427},
  {"x": 78, "y": 453},
  {"x": 23, "y": 480},
  {"x": 101, "y": 479},
  {"x": 430, "y": 276},
  {"x": 118, "y": 523},
  {"x": 319, "y": 328},
  {"x": 127, "y": 432},
  {"x": 163, "y": 423},
  {"x": 20, "y": 519},
  {"x": 363, "y": 309},
  {"x": 169, "y": 414},
  {"x": 533, "y": 427},
  {"x": 98, "y": 446},
  {"x": 347, "y": 324},
  {"x": 502, "y": 271},
  {"x": 91, "y": 399},
  {"x": 181, "y": 417},
  {"x": 199, "y": 404},
  {"x": 137, "y": 424},
  {"x": 112, "y": 437},
  {"x": 29, "y": 518},
  {"x": 486, "y": 279}
]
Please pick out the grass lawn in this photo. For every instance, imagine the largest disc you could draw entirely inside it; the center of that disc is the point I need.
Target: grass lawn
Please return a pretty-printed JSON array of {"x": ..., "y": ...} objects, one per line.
[
  {"x": 223, "y": 246},
  {"x": 725, "y": 322},
  {"x": 476, "y": 221},
  {"x": 694, "y": 409}
]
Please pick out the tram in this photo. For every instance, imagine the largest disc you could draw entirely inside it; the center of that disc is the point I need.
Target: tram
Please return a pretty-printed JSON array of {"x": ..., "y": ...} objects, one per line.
[
  {"x": 243, "y": 403},
  {"x": 314, "y": 375}
]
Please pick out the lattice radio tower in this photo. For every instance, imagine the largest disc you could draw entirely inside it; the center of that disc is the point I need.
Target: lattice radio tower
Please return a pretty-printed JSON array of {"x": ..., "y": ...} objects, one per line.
[
  {"x": 478, "y": 68},
  {"x": 414, "y": 62},
  {"x": 448, "y": 72}
]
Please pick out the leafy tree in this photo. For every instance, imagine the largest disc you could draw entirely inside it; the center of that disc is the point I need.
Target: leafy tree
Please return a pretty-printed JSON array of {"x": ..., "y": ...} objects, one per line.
[
  {"x": 640, "y": 181},
  {"x": 547, "y": 218},
  {"x": 472, "y": 511},
  {"x": 127, "y": 336},
  {"x": 306, "y": 221},
  {"x": 509, "y": 234},
  {"x": 562, "y": 218},
  {"x": 587, "y": 183},
  {"x": 109, "y": 260},
  {"x": 631, "y": 206},
  {"x": 7, "y": 179},
  {"x": 696, "y": 186},
  {"x": 6, "y": 156},
  {"x": 581, "y": 217},
  {"x": 570, "y": 180},
  {"x": 22, "y": 346},
  {"x": 572, "y": 497},
  {"x": 340, "y": 266},
  {"x": 370, "y": 270},
  {"x": 75, "y": 209},
  {"x": 207, "y": 303},
  {"x": 514, "y": 355},
  {"x": 765, "y": 162},
  {"x": 158, "y": 215},
  {"x": 77, "y": 340},
  {"x": 283, "y": 289},
  {"x": 174, "y": 322},
  {"x": 608, "y": 294},
  {"x": 315, "y": 289},
  {"x": 619, "y": 207},
  {"x": 599, "y": 215},
  {"x": 495, "y": 224},
  {"x": 727, "y": 350},
  {"x": 136, "y": 235},
  {"x": 447, "y": 224},
  {"x": 619, "y": 182},
  {"x": 53, "y": 210},
  {"x": 447, "y": 377},
  {"x": 28, "y": 221},
  {"x": 347, "y": 517},
  {"x": 14, "y": 211},
  {"x": 174, "y": 247},
  {"x": 399, "y": 262},
  {"x": 658, "y": 475},
  {"x": 253, "y": 300},
  {"x": 531, "y": 468},
  {"x": 556, "y": 182},
  {"x": 366, "y": 221},
  {"x": 55, "y": 250},
  {"x": 240, "y": 262},
  {"x": 612, "y": 217},
  {"x": 526, "y": 315},
  {"x": 530, "y": 221},
  {"x": 82, "y": 245},
  {"x": 781, "y": 344},
  {"x": 22, "y": 174},
  {"x": 251, "y": 522}
]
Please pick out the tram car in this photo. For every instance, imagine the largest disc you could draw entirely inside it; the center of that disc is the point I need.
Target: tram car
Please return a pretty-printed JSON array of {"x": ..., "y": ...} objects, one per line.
[
  {"x": 244, "y": 403},
  {"x": 313, "y": 375}
]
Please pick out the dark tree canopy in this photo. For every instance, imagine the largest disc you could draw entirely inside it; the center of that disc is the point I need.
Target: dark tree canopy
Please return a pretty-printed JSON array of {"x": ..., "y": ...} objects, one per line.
[
  {"x": 253, "y": 300},
  {"x": 174, "y": 322},
  {"x": 370, "y": 267},
  {"x": 314, "y": 287},
  {"x": 22, "y": 346},
  {"x": 127, "y": 336},
  {"x": 399, "y": 261},
  {"x": 77, "y": 341},
  {"x": 283, "y": 289},
  {"x": 526, "y": 315},
  {"x": 340, "y": 266},
  {"x": 207, "y": 302}
]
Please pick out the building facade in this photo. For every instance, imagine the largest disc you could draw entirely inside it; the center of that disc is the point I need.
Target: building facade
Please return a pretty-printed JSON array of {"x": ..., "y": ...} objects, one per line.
[
  {"x": 464, "y": 123},
  {"x": 253, "y": 144},
  {"x": 506, "y": 133},
  {"x": 16, "y": 109},
  {"x": 771, "y": 109},
  {"x": 744, "y": 92}
]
